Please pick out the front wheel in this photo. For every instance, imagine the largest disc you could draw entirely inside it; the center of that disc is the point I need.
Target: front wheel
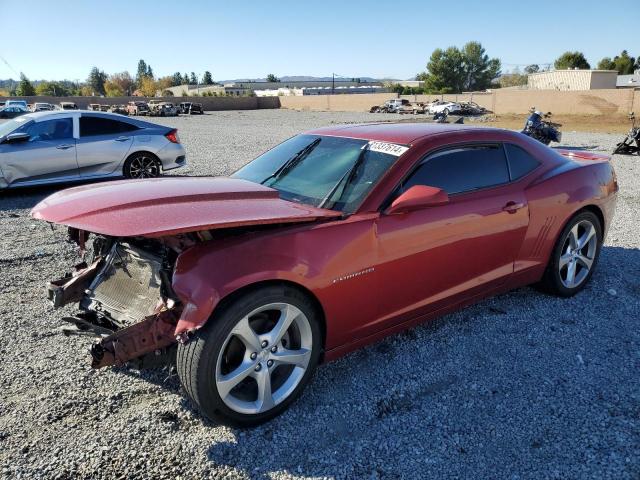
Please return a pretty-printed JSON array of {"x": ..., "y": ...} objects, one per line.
[
  {"x": 253, "y": 358},
  {"x": 574, "y": 256}
]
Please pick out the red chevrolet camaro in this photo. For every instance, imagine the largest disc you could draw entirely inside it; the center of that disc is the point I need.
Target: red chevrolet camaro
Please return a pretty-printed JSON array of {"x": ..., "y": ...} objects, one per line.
[{"x": 332, "y": 240}]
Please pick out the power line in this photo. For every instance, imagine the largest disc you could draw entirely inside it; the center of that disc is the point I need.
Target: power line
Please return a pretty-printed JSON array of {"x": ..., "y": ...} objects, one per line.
[{"x": 9, "y": 65}]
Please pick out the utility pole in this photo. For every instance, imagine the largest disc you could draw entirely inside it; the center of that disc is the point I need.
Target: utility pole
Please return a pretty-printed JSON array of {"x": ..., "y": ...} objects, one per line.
[{"x": 333, "y": 83}]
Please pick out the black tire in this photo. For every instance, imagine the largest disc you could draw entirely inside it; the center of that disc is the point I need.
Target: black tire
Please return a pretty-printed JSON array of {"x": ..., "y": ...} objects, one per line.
[
  {"x": 197, "y": 359},
  {"x": 552, "y": 281},
  {"x": 129, "y": 169}
]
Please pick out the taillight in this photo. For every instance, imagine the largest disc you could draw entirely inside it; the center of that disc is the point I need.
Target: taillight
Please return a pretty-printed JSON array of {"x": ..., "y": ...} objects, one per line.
[{"x": 172, "y": 136}]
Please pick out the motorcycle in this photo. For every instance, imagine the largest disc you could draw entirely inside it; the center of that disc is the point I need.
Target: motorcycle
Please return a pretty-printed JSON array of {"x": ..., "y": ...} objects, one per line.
[
  {"x": 626, "y": 146},
  {"x": 543, "y": 130}
]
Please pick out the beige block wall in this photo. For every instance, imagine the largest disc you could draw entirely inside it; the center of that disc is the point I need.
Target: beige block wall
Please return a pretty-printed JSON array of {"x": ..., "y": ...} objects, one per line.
[{"x": 586, "y": 102}]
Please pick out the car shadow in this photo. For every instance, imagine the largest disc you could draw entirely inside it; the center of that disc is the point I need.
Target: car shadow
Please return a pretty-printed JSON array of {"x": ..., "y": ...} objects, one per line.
[{"x": 367, "y": 415}]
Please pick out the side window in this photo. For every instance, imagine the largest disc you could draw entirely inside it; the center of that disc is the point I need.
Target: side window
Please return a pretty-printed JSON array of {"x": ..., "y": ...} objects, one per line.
[
  {"x": 520, "y": 162},
  {"x": 58, "y": 129},
  {"x": 462, "y": 169},
  {"x": 92, "y": 126}
]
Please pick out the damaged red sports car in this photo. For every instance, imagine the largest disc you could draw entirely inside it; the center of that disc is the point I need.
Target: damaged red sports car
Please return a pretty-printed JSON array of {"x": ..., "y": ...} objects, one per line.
[{"x": 332, "y": 240}]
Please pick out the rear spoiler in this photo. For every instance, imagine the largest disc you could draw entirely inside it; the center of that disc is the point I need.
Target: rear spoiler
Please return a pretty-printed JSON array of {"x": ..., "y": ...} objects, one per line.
[{"x": 583, "y": 155}]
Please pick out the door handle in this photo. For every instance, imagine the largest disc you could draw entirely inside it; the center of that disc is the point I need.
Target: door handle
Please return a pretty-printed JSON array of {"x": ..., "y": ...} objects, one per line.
[
  {"x": 64, "y": 146},
  {"x": 122, "y": 139},
  {"x": 512, "y": 207}
]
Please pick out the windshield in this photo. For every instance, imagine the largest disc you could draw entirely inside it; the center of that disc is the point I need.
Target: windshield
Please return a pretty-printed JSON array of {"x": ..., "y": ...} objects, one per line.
[
  {"x": 8, "y": 127},
  {"x": 319, "y": 170}
]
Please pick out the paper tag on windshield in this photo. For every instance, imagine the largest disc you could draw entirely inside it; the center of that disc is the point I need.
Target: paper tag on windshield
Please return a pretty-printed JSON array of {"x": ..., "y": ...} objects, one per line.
[{"x": 389, "y": 148}]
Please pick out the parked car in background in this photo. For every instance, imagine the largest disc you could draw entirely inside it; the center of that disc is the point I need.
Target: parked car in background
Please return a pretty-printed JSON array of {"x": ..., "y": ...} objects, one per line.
[
  {"x": 12, "y": 111},
  {"x": 20, "y": 103},
  {"x": 104, "y": 108},
  {"x": 41, "y": 107},
  {"x": 121, "y": 109},
  {"x": 196, "y": 108},
  {"x": 138, "y": 108},
  {"x": 95, "y": 107},
  {"x": 443, "y": 107},
  {"x": 165, "y": 109},
  {"x": 184, "y": 107},
  {"x": 68, "y": 106},
  {"x": 65, "y": 146},
  {"x": 330, "y": 241},
  {"x": 153, "y": 105}
]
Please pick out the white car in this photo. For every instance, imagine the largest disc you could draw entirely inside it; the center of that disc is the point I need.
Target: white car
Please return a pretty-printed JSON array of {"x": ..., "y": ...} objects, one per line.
[
  {"x": 443, "y": 107},
  {"x": 78, "y": 145}
]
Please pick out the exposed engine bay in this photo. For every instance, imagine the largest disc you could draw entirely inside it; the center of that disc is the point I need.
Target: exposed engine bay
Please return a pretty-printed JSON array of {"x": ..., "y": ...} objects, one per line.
[
  {"x": 123, "y": 288},
  {"x": 124, "y": 295}
]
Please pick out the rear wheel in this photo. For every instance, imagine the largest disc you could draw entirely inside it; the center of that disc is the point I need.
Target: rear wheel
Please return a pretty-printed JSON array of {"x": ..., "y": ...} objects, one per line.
[
  {"x": 142, "y": 165},
  {"x": 574, "y": 256},
  {"x": 253, "y": 358}
]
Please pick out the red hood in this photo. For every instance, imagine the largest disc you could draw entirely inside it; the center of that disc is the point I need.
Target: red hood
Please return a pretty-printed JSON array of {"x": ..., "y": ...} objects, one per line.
[{"x": 166, "y": 206}]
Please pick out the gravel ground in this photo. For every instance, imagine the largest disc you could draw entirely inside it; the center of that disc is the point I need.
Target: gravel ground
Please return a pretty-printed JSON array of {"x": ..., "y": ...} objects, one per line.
[{"x": 520, "y": 386}]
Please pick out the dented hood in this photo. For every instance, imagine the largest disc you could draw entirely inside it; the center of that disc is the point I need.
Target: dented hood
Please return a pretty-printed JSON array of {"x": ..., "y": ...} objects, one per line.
[{"x": 166, "y": 206}]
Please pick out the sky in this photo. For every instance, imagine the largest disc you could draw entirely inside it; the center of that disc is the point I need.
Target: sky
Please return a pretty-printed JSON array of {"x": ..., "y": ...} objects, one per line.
[{"x": 64, "y": 39}]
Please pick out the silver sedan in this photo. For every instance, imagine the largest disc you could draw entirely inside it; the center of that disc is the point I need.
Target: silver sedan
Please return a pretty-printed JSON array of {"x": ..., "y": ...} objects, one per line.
[{"x": 66, "y": 146}]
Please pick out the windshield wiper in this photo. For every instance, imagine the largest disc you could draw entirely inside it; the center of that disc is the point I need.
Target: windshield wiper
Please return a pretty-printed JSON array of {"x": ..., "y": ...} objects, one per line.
[
  {"x": 292, "y": 162},
  {"x": 347, "y": 178}
]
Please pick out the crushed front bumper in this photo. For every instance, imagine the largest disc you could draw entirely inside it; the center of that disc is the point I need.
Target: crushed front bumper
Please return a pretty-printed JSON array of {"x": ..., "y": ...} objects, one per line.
[{"x": 124, "y": 301}]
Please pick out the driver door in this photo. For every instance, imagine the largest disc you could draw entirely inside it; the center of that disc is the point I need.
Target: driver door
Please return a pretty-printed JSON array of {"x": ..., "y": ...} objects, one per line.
[
  {"x": 49, "y": 154},
  {"x": 437, "y": 256}
]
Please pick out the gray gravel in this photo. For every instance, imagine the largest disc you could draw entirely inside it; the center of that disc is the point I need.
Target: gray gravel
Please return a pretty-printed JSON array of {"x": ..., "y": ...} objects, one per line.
[{"x": 520, "y": 386}]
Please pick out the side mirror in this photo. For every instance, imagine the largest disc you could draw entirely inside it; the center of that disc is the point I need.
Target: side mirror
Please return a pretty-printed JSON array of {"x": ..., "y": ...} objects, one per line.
[
  {"x": 16, "y": 137},
  {"x": 417, "y": 197}
]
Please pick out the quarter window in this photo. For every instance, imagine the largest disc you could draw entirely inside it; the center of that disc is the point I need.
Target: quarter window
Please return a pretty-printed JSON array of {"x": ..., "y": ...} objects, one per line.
[
  {"x": 462, "y": 169},
  {"x": 58, "y": 129},
  {"x": 92, "y": 126},
  {"x": 520, "y": 162}
]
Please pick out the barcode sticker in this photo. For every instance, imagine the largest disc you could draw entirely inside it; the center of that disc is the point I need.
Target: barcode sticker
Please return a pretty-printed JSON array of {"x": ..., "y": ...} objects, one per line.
[{"x": 389, "y": 148}]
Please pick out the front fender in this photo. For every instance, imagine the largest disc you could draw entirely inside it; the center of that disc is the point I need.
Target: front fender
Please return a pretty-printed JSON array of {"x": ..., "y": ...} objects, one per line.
[{"x": 203, "y": 276}]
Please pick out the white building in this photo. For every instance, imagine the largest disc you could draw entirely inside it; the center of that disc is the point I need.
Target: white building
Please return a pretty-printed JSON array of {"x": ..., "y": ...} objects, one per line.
[{"x": 572, "y": 80}]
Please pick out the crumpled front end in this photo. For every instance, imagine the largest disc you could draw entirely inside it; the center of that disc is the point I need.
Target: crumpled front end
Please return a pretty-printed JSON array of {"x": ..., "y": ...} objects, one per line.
[{"x": 125, "y": 298}]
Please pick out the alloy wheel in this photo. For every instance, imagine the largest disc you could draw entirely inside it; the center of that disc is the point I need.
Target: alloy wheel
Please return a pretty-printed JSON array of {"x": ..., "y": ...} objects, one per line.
[
  {"x": 578, "y": 253},
  {"x": 264, "y": 358},
  {"x": 144, "y": 167}
]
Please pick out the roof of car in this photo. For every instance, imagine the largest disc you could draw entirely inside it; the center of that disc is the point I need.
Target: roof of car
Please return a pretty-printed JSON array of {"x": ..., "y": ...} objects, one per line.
[{"x": 403, "y": 133}]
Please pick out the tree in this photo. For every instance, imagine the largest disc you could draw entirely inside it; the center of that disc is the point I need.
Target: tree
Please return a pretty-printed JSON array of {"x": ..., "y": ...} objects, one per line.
[
  {"x": 606, "y": 64},
  {"x": 207, "y": 79},
  {"x": 144, "y": 71},
  {"x": 479, "y": 69},
  {"x": 193, "y": 80},
  {"x": 514, "y": 79},
  {"x": 112, "y": 89},
  {"x": 176, "y": 80},
  {"x": 121, "y": 82},
  {"x": 272, "y": 78},
  {"x": 52, "y": 89},
  {"x": 96, "y": 81},
  {"x": 148, "y": 87},
  {"x": 533, "y": 68},
  {"x": 571, "y": 60},
  {"x": 164, "y": 83},
  {"x": 25, "y": 88},
  {"x": 185, "y": 79},
  {"x": 624, "y": 64},
  {"x": 456, "y": 70}
]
